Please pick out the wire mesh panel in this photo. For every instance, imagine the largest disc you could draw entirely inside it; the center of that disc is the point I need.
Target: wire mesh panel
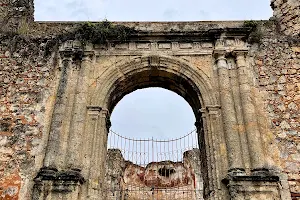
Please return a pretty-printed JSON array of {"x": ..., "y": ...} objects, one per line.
[{"x": 153, "y": 169}]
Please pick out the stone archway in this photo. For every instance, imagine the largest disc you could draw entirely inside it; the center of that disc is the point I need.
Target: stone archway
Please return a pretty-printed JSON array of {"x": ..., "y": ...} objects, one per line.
[
  {"x": 213, "y": 77},
  {"x": 168, "y": 73}
]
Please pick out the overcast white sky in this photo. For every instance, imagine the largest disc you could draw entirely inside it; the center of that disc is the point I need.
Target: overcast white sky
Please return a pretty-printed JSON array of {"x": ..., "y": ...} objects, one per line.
[
  {"x": 152, "y": 112},
  {"x": 151, "y": 10}
]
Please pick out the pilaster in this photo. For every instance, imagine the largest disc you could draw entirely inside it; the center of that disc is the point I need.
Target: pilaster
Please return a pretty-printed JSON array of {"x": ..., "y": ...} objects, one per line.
[
  {"x": 229, "y": 117},
  {"x": 53, "y": 181},
  {"x": 77, "y": 127},
  {"x": 217, "y": 151},
  {"x": 96, "y": 189},
  {"x": 53, "y": 155},
  {"x": 92, "y": 153},
  {"x": 249, "y": 114}
]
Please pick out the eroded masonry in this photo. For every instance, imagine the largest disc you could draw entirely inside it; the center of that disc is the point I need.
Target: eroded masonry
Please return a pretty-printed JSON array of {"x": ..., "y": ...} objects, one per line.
[{"x": 61, "y": 80}]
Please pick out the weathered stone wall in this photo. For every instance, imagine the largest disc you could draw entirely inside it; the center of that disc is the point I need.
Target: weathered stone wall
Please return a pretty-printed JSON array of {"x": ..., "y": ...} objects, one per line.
[
  {"x": 276, "y": 63},
  {"x": 15, "y": 15},
  {"x": 115, "y": 165},
  {"x": 287, "y": 12},
  {"x": 29, "y": 79},
  {"x": 25, "y": 97},
  {"x": 159, "y": 180}
]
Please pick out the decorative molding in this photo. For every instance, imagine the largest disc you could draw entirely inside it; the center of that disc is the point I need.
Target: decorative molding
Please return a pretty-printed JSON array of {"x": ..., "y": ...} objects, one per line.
[
  {"x": 175, "y": 45},
  {"x": 185, "y": 45},
  {"x": 94, "y": 111},
  {"x": 243, "y": 186},
  {"x": 152, "y": 46},
  {"x": 122, "y": 46},
  {"x": 143, "y": 45},
  {"x": 240, "y": 52},
  {"x": 165, "y": 46},
  {"x": 220, "y": 43},
  {"x": 52, "y": 174},
  {"x": 154, "y": 61}
]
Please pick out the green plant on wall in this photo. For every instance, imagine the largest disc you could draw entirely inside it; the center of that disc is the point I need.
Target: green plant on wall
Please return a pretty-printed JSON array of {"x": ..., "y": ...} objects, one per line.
[
  {"x": 95, "y": 33},
  {"x": 101, "y": 33},
  {"x": 256, "y": 34}
]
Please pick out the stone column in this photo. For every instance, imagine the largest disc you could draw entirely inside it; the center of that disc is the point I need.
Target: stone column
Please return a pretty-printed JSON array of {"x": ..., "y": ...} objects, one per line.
[
  {"x": 52, "y": 157},
  {"x": 229, "y": 117},
  {"x": 89, "y": 146},
  {"x": 77, "y": 129},
  {"x": 250, "y": 117},
  {"x": 92, "y": 152},
  {"x": 96, "y": 186},
  {"x": 218, "y": 146}
]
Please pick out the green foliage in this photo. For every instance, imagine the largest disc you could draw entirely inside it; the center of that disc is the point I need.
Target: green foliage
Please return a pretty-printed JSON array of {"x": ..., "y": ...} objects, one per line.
[
  {"x": 101, "y": 33},
  {"x": 256, "y": 37},
  {"x": 250, "y": 24},
  {"x": 23, "y": 27},
  {"x": 256, "y": 34},
  {"x": 95, "y": 33}
]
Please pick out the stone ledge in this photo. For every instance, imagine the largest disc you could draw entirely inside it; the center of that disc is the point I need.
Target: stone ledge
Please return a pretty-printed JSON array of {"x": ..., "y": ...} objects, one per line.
[
  {"x": 52, "y": 174},
  {"x": 255, "y": 178},
  {"x": 252, "y": 178}
]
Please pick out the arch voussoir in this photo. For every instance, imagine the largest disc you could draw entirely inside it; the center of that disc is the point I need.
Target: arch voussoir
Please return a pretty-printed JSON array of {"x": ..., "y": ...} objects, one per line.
[{"x": 179, "y": 68}]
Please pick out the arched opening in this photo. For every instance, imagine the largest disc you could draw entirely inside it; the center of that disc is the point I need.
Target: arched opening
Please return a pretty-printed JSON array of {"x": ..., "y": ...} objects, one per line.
[
  {"x": 153, "y": 112},
  {"x": 142, "y": 164},
  {"x": 154, "y": 77},
  {"x": 171, "y": 75}
]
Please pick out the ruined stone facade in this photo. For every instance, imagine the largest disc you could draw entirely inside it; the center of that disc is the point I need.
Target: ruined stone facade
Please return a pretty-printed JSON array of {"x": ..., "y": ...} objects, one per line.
[
  {"x": 55, "y": 107},
  {"x": 158, "y": 180}
]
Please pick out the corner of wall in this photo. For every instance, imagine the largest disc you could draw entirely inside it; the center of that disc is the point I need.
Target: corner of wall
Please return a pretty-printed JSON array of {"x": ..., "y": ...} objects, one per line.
[
  {"x": 16, "y": 15},
  {"x": 287, "y": 14}
]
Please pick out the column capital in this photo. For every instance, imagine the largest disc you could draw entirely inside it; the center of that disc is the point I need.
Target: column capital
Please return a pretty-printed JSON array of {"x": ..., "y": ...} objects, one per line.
[
  {"x": 240, "y": 57},
  {"x": 213, "y": 109},
  {"x": 239, "y": 53},
  {"x": 202, "y": 110},
  {"x": 221, "y": 61},
  {"x": 104, "y": 113},
  {"x": 88, "y": 55},
  {"x": 66, "y": 55},
  {"x": 94, "y": 110},
  {"x": 220, "y": 54},
  {"x": 210, "y": 109}
]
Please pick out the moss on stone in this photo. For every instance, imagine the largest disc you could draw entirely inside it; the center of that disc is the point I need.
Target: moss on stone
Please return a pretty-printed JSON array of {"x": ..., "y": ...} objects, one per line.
[
  {"x": 256, "y": 34},
  {"x": 95, "y": 33}
]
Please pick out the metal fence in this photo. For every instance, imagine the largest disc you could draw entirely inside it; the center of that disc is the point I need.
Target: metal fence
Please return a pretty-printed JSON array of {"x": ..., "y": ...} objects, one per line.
[
  {"x": 145, "y": 151},
  {"x": 156, "y": 169}
]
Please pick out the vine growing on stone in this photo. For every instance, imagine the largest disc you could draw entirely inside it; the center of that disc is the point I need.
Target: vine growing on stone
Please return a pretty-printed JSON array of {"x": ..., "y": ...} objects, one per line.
[
  {"x": 256, "y": 34},
  {"x": 95, "y": 33}
]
